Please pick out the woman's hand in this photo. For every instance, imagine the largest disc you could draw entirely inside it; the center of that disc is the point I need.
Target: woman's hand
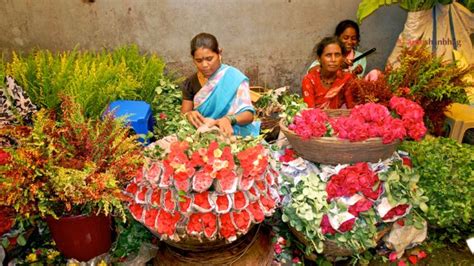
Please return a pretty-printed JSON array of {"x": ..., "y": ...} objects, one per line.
[
  {"x": 195, "y": 118},
  {"x": 347, "y": 63},
  {"x": 225, "y": 126},
  {"x": 357, "y": 70}
]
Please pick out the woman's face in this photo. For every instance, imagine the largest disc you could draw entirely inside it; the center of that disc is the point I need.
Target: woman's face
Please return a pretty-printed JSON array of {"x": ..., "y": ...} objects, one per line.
[
  {"x": 331, "y": 59},
  {"x": 349, "y": 39},
  {"x": 206, "y": 61}
]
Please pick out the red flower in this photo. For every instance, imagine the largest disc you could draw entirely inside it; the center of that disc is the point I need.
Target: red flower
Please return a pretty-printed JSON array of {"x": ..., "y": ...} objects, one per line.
[
  {"x": 310, "y": 123},
  {"x": 397, "y": 211},
  {"x": 241, "y": 220},
  {"x": 401, "y": 222},
  {"x": 136, "y": 210},
  {"x": 163, "y": 116},
  {"x": 227, "y": 229},
  {"x": 267, "y": 202},
  {"x": 407, "y": 161},
  {"x": 222, "y": 203},
  {"x": 169, "y": 202},
  {"x": 402, "y": 263},
  {"x": 166, "y": 222},
  {"x": 195, "y": 225},
  {"x": 361, "y": 206},
  {"x": 347, "y": 225},
  {"x": 184, "y": 203},
  {"x": 422, "y": 255},
  {"x": 155, "y": 198},
  {"x": 277, "y": 248},
  {"x": 256, "y": 211},
  {"x": 351, "y": 180},
  {"x": 240, "y": 200},
  {"x": 202, "y": 200},
  {"x": 209, "y": 221},
  {"x": 413, "y": 259},
  {"x": 326, "y": 226},
  {"x": 393, "y": 256},
  {"x": 150, "y": 217},
  {"x": 288, "y": 156},
  {"x": 296, "y": 260}
]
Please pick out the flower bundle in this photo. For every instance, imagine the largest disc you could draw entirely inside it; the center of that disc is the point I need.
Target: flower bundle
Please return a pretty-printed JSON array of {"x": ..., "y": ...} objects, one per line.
[
  {"x": 365, "y": 121},
  {"x": 348, "y": 204},
  {"x": 76, "y": 166},
  {"x": 211, "y": 192}
]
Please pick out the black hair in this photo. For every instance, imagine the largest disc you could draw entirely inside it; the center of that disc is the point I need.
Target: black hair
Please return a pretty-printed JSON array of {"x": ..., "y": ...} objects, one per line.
[
  {"x": 327, "y": 41},
  {"x": 343, "y": 25},
  {"x": 204, "y": 40}
]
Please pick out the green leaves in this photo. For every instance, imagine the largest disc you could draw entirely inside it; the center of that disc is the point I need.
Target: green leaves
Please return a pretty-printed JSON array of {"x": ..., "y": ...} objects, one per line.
[
  {"x": 94, "y": 79},
  {"x": 446, "y": 170},
  {"x": 367, "y": 7}
]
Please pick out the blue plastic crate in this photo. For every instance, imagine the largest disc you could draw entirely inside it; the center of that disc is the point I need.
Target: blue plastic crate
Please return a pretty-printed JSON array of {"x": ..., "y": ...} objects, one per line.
[{"x": 138, "y": 114}]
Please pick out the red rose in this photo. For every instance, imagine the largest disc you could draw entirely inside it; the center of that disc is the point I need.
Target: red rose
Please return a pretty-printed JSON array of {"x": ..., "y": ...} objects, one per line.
[
  {"x": 326, "y": 226},
  {"x": 347, "y": 225},
  {"x": 407, "y": 161}
]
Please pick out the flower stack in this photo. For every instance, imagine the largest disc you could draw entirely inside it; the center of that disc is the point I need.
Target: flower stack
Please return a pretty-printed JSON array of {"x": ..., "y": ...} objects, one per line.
[
  {"x": 348, "y": 205},
  {"x": 213, "y": 192}
]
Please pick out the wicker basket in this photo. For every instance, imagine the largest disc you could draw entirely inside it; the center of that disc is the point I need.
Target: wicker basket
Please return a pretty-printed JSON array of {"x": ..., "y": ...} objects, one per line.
[
  {"x": 331, "y": 249},
  {"x": 253, "y": 248},
  {"x": 332, "y": 150}
]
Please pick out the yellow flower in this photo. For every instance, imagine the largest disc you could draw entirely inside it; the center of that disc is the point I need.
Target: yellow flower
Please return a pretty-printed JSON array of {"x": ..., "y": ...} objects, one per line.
[
  {"x": 52, "y": 254},
  {"x": 102, "y": 263},
  {"x": 31, "y": 257}
]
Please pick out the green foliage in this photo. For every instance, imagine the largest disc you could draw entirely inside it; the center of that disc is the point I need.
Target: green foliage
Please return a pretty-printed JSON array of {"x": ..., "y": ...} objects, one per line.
[
  {"x": 291, "y": 105},
  {"x": 367, "y": 7},
  {"x": 131, "y": 236},
  {"x": 446, "y": 170},
  {"x": 306, "y": 209},
  {"x": 167, "y": 108},
  {"x": 94, "y": 79}
]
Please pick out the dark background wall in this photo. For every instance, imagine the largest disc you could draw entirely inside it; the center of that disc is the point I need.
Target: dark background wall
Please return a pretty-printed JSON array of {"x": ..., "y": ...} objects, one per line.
[{"x": 270, "y": 40}]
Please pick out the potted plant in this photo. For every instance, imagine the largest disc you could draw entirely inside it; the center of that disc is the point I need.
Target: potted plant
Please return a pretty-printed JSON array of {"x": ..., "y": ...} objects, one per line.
[{"x": 72, "y": 168}]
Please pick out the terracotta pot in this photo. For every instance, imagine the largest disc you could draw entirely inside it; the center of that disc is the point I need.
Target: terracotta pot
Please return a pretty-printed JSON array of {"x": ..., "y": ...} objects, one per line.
[{"x": 81, "y": 237}]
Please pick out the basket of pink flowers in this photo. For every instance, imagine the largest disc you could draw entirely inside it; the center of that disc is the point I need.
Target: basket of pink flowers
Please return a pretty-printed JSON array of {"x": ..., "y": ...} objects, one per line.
[{"x": 366, "y": 133}]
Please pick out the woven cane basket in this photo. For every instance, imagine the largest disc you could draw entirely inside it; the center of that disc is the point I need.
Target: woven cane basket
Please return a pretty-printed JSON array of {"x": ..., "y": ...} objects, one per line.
[
  {"x": 332, "y": 150},
  {"x": 331, "y": 249}
]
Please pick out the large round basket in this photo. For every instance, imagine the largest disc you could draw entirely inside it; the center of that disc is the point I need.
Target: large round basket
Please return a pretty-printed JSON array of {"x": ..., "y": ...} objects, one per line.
[
  {"x": 253, "y": 248},
  {"x": 331, "y": 249},
  {"x": 333, "y": 150}
]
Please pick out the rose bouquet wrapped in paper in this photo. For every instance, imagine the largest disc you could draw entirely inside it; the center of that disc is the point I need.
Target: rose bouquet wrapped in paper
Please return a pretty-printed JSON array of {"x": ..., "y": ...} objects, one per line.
[
  {"x": 348, "y": 207},
  {"x": 204, "y": 188}
]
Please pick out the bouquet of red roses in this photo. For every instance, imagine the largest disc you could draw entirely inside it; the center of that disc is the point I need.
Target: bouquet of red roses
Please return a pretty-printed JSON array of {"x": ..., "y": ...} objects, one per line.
[
  {"x": 348, "y": 204},
  {"x": 205, "y": 189}
]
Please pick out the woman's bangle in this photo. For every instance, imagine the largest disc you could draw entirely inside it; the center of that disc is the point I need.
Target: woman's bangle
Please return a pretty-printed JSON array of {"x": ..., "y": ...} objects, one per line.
[{"x": 233, "y": 119}]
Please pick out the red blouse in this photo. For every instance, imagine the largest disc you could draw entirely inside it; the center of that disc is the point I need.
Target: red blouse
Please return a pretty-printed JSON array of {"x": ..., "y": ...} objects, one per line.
[{"x": 317, "y": 96}]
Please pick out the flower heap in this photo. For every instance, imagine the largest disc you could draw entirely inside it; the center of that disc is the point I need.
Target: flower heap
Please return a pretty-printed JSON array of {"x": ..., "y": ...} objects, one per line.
[
  {"x": 348, "y": 204},
  {"x": 365, "y": 121},
  {"x": 209, "y": 193}
]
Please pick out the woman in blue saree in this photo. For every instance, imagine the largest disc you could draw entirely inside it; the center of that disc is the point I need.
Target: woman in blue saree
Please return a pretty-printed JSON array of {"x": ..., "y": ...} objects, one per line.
[{"x": 218, "y": 94}]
